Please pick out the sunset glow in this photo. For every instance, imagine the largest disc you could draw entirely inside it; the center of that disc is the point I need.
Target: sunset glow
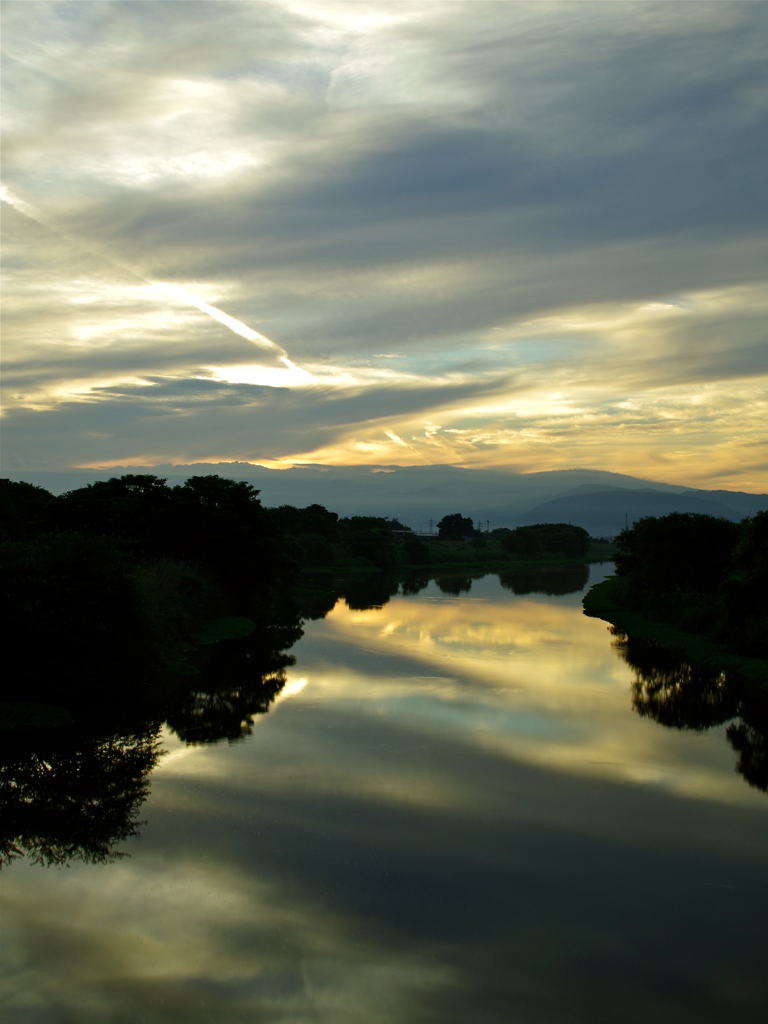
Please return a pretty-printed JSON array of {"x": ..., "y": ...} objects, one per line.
[{"x": 313, "y": 231}]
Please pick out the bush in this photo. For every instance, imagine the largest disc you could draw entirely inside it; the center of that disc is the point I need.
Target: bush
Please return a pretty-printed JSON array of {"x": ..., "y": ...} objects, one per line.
[
  {"x": 683, "y": 551},
  {"x": 546, "y": 540},
  {"x": 77, "y": 629}
]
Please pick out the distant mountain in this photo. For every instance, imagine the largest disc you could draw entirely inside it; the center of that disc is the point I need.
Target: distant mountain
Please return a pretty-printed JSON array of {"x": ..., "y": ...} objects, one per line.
[
  {"x": 418, "y": 495},
  {"x": 605, "y": 512},
  {"x": 740, "y": 501}
]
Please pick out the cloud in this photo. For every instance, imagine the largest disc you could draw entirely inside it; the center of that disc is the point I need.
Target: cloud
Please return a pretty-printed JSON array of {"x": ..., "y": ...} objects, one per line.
[{"x": 495, "y": 192}]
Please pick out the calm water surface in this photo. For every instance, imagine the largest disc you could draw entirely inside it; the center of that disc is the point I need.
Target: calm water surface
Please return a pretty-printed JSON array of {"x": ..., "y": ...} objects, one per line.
[{"x": 451, "y": 813}]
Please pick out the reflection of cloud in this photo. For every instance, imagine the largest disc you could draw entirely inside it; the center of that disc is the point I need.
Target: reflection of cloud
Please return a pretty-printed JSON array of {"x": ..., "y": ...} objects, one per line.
[
  {"x": 521, "y": 683},
  {"x": 416, "y": 835},
  {"x": 187, "y": 939}
]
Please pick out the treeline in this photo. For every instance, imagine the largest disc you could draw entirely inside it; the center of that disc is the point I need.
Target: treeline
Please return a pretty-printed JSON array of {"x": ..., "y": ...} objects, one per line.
[
  {"x": 325, "y": 540},
  {"x": 700, "y": 574},
  {"x": 114, "y": 591},
  {"x": 220, "y": 525}
]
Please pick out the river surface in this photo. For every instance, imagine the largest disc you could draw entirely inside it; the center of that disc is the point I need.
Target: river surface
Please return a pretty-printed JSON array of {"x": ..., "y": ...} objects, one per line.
[{"x": 451, "y": 813}]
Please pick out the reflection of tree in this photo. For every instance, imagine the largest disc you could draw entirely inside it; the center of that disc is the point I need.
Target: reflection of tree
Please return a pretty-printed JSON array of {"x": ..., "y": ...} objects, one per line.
[
  {"x": 225, "y": 712},
  {"x": 679, "y": 695},
  {"x": 239, "y": 678},
  {"x": 316, "y": 596},
  {"x": 74, "y": 801},
  {"x": 553, "y": 582},
  {"x": 454, "y": 585},
  {"x": 676, "y": 694},
  {"x": 74, "y": 792},
  {"x": 370, "y": 591},
  {"x": 751, "y": 743},
  {"x": 413, "y": 585}
]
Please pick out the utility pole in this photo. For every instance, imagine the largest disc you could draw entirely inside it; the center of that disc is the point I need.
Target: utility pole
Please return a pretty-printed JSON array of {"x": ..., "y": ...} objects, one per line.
[{"x": 430, "y": 527}]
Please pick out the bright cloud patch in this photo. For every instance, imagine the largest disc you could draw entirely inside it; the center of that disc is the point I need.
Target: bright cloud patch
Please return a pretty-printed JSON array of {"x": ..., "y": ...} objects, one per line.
[{"x": 315, "y": 231}]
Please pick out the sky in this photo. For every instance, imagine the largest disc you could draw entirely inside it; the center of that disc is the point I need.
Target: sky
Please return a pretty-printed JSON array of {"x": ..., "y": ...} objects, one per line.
[{"x": 520, "y": 236}]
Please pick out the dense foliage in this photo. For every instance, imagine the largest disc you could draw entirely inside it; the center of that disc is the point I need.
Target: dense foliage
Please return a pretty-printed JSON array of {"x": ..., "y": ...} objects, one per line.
[
  {"x": 114, "y": 592},
  {"x": 700, "y": 573},
  {"x": 324, "y": 540},
  {"x": 105, "y": 587},
  {"x": 546, "y": 540},
  {"x": 455, "y": 527}
]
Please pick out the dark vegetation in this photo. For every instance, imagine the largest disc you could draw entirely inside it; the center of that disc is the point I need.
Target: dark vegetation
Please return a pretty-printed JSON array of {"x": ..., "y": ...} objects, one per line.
[
  {"x": 367, "y": 542},
  {"x": 689, "y": 607},
  {"x": 701, "y": 574},
  {"x": 696, "y": 585},
  {"x": 118, "y": 593},
  {"x": 104, "y": 588},
  {"x": 129, "y": 604}
]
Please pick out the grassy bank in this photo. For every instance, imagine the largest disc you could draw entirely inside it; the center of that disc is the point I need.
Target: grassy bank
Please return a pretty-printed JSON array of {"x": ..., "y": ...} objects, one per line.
[
  {"x": 471, "y": 557},
  {"x": 601, "y": 603}
]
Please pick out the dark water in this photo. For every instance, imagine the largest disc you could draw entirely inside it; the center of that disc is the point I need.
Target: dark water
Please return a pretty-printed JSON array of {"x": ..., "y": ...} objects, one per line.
[{"x": 451, "y": 812}]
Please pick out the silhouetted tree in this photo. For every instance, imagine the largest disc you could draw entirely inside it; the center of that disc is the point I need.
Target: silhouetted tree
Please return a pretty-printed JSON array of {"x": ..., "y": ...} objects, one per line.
[
  {"x": 416, "y": 551},
  {"x": 745, "y": 591},
  {"x": 370, "y": 537},
  {"x": 222, "y": 525},
  {"x": 683, "y": 551},
  {"x": 546, "y": 540},
  {"x": 77, "y": 632},
  {"x": 135, "y": 508},
  {"x": 455, "y": 527},
  {"x": 26, "y": 510}
]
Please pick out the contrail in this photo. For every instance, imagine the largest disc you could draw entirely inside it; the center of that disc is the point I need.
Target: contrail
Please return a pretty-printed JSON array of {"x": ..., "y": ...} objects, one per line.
[
  {"x": 18, "y": 204},
  {"x": 172, "y": 290},
  {"x": 223, "y": 318}
]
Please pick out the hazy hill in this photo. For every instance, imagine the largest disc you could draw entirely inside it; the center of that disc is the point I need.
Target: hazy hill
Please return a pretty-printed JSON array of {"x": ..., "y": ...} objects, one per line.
[
  {"x": 605, "y": 512},
  {"x": 594, "y": 499}
]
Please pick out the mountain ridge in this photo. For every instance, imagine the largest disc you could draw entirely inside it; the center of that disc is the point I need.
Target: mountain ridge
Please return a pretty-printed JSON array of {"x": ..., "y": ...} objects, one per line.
[{"x": 598, "y": 500}]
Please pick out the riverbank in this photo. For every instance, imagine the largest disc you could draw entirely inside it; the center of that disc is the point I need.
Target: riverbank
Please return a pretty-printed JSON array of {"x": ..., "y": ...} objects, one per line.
[
  {"x": 451, "y": 557},
  {"x": 601, "y": 602}
]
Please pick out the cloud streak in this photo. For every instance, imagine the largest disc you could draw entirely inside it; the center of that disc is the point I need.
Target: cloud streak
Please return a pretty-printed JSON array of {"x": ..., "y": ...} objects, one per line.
[{"x": 557, "y": 208}]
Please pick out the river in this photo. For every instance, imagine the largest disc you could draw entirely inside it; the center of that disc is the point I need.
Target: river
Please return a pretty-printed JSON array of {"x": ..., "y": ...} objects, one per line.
[{"x": 453, "y": 811}]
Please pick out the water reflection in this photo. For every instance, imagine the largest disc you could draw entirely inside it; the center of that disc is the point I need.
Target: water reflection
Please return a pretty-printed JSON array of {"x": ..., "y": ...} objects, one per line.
[
  {"x": 74, "y": 793},
  {"x": 457, "y": 818},
  {"x": 679, "y": 695},
  {"x": 321, "y": 592},
  {"x": 69, "y": 800},
  {"x": 238, "y": 679},
  {"x": 454, "y": 585},
  {"x": 369, "y": 592},
  {"x": 413, "y": 585},
  {"x": 555, "y": 581},
  {"x": 76, "y": 797}
]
